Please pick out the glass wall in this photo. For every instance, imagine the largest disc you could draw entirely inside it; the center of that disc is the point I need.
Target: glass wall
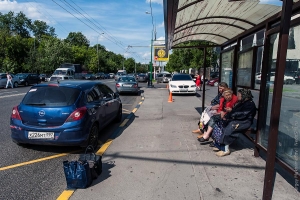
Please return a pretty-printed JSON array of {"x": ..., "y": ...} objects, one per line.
[
  {"x": 227, "y": 65},
  {"x": 288, "y": 145},
  {"x": 244, "y": 71}
]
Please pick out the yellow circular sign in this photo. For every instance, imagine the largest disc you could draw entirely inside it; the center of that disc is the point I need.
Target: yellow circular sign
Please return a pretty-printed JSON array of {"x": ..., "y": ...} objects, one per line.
[{"x": 161, "y": 53}]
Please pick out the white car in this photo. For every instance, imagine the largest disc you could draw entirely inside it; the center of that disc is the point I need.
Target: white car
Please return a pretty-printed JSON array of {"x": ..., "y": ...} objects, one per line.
[
  {"x": 182, "y": 84},
  {"x": 286, "y": 79}
]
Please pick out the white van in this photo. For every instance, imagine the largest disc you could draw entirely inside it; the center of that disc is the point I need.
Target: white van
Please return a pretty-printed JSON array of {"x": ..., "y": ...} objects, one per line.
[
  {"x": 121, "y": 72},
  {"x": 61, "y": 77},
  {"x": 64, "y": 71}
]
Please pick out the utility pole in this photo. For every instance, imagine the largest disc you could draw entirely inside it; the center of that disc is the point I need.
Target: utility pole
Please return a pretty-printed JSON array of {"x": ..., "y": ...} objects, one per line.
[{"x": 98, "y": 51}]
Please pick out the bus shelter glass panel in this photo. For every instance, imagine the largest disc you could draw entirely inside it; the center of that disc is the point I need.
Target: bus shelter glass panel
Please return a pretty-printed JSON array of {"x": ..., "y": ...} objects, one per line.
[
  {"x": 244, "y": 70},
  {"x": 227, "y": 65},
  {"x": 265, "y": 112},
  {"x": 288, "y": 146},
  {"x": 258, "y": 67}
]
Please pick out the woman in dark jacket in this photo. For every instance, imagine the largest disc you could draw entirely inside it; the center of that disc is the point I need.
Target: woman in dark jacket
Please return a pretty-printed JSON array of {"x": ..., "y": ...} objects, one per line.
[{"x": 237, "y": 120}]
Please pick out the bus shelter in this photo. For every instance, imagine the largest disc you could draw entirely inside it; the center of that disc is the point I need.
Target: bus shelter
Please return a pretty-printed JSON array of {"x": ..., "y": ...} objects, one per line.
[{"x": 260, "y": 50}]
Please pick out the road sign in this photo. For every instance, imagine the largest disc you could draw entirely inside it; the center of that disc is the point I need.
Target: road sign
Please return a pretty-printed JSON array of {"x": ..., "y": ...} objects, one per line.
[{"x": 160, "y": 53}]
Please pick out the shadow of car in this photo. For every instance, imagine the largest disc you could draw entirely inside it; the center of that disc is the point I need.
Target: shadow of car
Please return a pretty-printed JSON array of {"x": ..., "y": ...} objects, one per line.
[{"x": 69, "y": 113}]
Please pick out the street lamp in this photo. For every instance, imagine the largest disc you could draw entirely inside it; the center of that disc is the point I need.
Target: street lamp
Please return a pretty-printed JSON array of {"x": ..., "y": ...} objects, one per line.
[
  {"x": 97, "y": 50},
  {"x": 151, "y": 64}
]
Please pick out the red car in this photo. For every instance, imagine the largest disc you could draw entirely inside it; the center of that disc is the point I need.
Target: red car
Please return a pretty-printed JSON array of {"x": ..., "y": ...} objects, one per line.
[{"x": 213, "y": 81}]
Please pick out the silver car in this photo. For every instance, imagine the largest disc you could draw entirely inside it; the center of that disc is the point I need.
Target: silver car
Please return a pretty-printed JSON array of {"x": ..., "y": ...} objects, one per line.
[
  {"x": 127, "y": 84},
  {"x": 164, "y": 78},
  {"x": 3, "y": 80}
]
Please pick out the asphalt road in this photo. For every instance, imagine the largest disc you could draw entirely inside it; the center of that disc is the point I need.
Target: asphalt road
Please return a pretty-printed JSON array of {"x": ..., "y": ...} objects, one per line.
[{"x": 36, "y": 172}]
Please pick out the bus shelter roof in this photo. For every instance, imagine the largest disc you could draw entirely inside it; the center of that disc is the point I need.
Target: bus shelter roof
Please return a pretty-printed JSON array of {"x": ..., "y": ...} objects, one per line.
[{"x": 215, "y": 21}]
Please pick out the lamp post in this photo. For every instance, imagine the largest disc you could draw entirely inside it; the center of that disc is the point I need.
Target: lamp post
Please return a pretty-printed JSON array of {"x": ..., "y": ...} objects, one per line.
[
  {"x": 97, "y": 50},
  {"x": 151, "y": 64}
]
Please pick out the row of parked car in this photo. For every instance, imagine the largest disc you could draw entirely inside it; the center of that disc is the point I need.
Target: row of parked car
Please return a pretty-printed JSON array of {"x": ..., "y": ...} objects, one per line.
[{"x": 20, "y": 79}]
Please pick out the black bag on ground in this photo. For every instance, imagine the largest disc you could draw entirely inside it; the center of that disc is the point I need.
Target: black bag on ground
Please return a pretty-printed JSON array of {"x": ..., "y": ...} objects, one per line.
[
  {"x": 94, "y": 161},
  {"x": 78, "y": 174}
]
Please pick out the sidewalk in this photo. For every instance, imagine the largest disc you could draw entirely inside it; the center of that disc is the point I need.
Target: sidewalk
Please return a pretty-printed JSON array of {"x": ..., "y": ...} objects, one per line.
[{"x": 157, "y": 157}]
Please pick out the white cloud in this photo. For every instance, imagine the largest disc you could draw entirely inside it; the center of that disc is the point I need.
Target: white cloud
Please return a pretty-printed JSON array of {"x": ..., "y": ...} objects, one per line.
[
  {"x": 155, "y": 1},
  {"x": 160, "y": 41},
  {"x": 162, "y": 25}
]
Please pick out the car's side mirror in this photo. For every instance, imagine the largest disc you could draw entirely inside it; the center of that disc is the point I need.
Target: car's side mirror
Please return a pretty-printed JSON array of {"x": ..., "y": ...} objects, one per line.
[{"x": 116, "y": 95}]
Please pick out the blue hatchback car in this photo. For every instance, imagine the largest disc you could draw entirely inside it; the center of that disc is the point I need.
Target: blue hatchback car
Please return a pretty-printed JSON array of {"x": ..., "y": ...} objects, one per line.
[{"x": 69, "y": 113}]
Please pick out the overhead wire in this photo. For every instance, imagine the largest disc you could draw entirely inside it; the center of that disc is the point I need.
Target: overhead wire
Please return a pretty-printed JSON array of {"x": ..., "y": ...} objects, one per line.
[{"x": 77, "y": 11}]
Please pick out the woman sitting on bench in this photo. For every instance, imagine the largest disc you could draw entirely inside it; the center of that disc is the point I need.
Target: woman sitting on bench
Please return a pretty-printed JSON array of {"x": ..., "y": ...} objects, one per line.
[
  {"x": 227, "y": 101},
  {"x": 237, "y": 120}
]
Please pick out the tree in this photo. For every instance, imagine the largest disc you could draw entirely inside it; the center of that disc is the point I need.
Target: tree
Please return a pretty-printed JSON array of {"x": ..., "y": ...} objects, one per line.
[
  {"x": 77, "y": 39},
  {"x": 40, "y": 28}
]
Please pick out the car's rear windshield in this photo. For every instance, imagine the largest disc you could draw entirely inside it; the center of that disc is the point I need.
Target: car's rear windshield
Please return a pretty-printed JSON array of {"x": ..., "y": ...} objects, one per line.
[
  {"x": 55, "y": 78},
  {"x": 168, "y": 75},
  {"x": 127, "y": 79},
  {"x": 182, "y": 77},
  {"x": 51, "y": 96}
]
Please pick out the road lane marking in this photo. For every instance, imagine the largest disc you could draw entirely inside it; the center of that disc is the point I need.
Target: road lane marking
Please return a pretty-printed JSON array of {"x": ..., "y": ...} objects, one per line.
[
  {"x": 104, "y": 147},
  {"x": 37, "y": 160},
  {"x": 12, "y": 95},
  {"x": 134, "y": 110},
  {"x": 124, "y": 122},
  {"x": 126, "y": 110},
  {"x": 66, "y": 194},
  {"x": 140, "y": 103}
]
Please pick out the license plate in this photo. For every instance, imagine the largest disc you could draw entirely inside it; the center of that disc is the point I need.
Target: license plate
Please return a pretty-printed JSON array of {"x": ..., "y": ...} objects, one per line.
[
  {"x": 183, "y": 90},
  {"x": 127, "y": 85},
  {"x": 40, "y": 135}
]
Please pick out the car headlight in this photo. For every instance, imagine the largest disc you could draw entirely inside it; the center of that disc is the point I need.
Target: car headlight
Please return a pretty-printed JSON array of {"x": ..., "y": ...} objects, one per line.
[{"x": 173, "y": 86}]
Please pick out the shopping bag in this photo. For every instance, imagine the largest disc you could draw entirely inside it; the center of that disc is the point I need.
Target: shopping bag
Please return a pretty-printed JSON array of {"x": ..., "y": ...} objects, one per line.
[
  {"x": 95, "y": 161},
  {"x": 205, "y": 116},
  {"x": 78, "y": 174},
  {"x": 217, "y": 132}
]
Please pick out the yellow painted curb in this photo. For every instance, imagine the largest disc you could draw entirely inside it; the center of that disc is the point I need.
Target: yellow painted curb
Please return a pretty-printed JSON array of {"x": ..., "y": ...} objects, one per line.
[{"x": 65, "y": 195}]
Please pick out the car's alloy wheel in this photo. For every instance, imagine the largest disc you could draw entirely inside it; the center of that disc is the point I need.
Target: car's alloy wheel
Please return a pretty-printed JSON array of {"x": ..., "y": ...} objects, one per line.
[
  {"x": 16, "y": 84},
  {"x": 119, "y": 115},
  {"x": 216, "y": 84},
  {"x": 93, "y": 136}
]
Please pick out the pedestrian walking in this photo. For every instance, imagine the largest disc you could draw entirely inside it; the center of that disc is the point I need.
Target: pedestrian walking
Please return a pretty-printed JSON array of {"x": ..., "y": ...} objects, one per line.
[
  {"x": 198, "y": 81},
  {"x": 9, "y": 80}
]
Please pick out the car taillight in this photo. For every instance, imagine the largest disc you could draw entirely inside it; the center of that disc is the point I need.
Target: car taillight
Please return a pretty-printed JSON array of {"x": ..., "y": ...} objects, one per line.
[
  {"x": 117, "y": 85},
  {"x": 77, "y": 114},
  {"x": 15, "y": 113}
]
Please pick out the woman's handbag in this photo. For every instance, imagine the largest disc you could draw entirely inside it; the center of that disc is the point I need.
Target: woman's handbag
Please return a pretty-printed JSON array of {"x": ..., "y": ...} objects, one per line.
[
  {"x": 205, "y": 116},
  {"x": 218, "y": 132},
  {"x": 78, "y": 174},
  {"x": 95, "y": 161}
]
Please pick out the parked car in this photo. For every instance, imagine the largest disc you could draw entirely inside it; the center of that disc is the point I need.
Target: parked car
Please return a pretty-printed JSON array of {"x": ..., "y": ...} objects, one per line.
[
  {"x": 164, "y": 78},
  {"x": 90, "y": 77},
  {"x": 106, "y": 76},
  {"x": 42, "y": 77},
  {"x": 213, "y": 81},
  {"x": 111, "y": 75},
  {"x": 118, "y": 75},
  {"x": 182, "y": 84},
  {"x": 70, "y": 113},
  {"x": 127, "y": 84},
  {"x": 286, "y": 80},
  {"x": 3, "y": 80},
  {"x": 258, "y": 77},
  {"x": 29, "y": 78},
  {"x": 142, "y": 78},
  {"x": 99, "y": 75}
]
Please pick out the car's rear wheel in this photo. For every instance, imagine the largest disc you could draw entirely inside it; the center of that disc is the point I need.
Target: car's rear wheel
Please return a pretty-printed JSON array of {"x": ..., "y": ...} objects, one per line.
[
  {"x": 16, "y": 84},
  {"x": 26, "y": 83},
  {"x": 119, "y": 115},
  {"x": 93, "y": 136}
]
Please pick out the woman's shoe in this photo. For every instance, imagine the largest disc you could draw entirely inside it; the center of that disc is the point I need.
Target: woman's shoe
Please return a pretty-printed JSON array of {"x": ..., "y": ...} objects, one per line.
[
  {"x": 215, "y": 149},
  {"x": 196, "y": 131},
  {"x": 223, "y": 153},
  {"x": 203, "y": 140},
  {"x": 200, "y": 136}
]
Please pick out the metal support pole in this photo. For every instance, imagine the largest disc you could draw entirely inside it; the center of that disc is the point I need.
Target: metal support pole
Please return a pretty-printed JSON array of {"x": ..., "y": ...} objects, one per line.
[
  {"x": 204, "y": 75},
  {"x": 151, "y": 64},
  {"x": 277, "y": 98}
]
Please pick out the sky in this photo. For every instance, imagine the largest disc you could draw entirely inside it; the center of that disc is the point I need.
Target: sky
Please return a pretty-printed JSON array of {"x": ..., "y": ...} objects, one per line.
[
  {"x": 123, "y": 22},
  {"x": 115, "y": 24}
]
